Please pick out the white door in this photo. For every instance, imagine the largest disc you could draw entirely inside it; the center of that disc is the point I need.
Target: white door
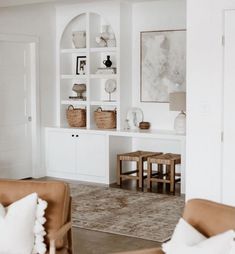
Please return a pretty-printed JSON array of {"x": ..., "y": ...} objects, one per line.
[
  {"x": 228, "y": 165},
  {"x": 61, "y": 152},
  {"x": 15, "y": 110},
  {"x": 91, "y": 155}
]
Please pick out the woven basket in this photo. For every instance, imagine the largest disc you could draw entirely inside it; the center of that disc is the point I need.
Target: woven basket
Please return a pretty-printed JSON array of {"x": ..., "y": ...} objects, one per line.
[
  {"x": 76, "y": 117},
  {"x": 105, "y": 119}
]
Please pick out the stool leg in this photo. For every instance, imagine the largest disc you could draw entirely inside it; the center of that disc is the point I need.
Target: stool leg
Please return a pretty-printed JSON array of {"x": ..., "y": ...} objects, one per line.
[
  {"x": 160, "y": 171},
  {"x": 137, "y": 175},
  {"x": 141, "y": 182},
  {"x": 172, "y": 178},
  {"x": 168, "y": 172},
  {"x": 149, "y": 175},
  {"x": 119, "y": 170}
]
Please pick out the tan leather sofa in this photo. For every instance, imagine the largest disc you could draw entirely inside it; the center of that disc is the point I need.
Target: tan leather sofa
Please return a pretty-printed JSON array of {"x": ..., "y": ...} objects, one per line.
[
  {"x": 58, "y": 212},
  {"x": 208, "y": 217}
]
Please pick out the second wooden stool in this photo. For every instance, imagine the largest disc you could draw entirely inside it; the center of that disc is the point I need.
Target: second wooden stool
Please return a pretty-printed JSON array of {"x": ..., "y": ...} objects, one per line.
[
  {"x": 169, "y": 160},
  {"x": 139, "y": 157}
]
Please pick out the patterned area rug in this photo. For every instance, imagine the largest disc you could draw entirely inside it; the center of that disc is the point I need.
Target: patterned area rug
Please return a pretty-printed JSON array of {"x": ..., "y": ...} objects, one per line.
[{"x": 148, "y": 216}]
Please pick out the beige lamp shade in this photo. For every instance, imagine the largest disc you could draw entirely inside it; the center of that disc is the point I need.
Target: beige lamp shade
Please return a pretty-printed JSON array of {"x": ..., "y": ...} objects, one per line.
[{"x": 177, "y": 101}]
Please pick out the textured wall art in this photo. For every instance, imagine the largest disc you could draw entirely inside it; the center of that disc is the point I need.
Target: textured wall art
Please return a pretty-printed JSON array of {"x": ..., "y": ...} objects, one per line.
[{"x": 163, "y": 64}]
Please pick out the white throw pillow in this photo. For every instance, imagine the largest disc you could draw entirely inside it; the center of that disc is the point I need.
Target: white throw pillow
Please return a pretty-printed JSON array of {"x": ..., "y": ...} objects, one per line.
[
  {"x": 21, "y": 227},
  {"x": 184, "y": 233},
  {"x": 232, "y": 251},
  {"x": 193, "y": 242}
]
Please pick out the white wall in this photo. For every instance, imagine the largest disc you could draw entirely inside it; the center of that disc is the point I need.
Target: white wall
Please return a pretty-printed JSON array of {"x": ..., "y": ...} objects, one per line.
[
  {"x": 153, "y": 16},
  {"x": 37, "y": 20},
  {"x": 204, "y": 94}
]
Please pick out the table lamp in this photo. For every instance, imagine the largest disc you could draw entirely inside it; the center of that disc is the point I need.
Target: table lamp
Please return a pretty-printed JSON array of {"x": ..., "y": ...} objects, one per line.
[{"x": 178, "y": 103}]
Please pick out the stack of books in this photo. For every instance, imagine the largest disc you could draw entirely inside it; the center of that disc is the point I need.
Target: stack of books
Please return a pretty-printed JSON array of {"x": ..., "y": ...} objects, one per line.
[{"x": 110, "y": 70}]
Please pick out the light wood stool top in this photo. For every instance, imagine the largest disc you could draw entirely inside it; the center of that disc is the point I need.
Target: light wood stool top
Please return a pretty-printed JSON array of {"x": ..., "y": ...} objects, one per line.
[
  {"x": 137, "y": 156},
  {"x": 165, "y": 159}
]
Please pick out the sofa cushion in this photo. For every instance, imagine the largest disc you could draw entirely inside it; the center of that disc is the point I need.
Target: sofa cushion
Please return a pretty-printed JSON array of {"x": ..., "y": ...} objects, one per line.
[{"x": 54, "y": 192}]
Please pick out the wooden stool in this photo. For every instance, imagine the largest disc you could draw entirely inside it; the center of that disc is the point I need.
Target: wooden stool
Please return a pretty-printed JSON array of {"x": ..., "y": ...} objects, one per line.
[
  {"x": 169, "y": 160},
  {"x": 139, "y": 157}
]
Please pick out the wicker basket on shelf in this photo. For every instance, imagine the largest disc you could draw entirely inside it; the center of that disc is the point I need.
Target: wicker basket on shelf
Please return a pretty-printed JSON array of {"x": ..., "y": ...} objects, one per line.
[
  {"x": 105, "y": 119},
  {"x": 76, "y": 116}
]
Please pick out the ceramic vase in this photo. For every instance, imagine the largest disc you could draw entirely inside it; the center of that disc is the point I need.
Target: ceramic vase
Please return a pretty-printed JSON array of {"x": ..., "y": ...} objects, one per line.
[
  {"x": 107, "y": 62},
  {"x": 79, "y": 39}
]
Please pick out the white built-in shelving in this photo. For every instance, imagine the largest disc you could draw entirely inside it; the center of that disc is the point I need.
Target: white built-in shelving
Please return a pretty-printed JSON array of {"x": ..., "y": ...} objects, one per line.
[
  {"x": 73, "y": 76},
  {"x": 91, "y": 18},
  {"x": 74, "y": 50},
  {"x": 103, "y": 76},
  {"x": 91, "y": 23},
  {"x": 104, "y": 50},
  {"x": 104, "y": 103},
  {"x": 74, "y": 102}
]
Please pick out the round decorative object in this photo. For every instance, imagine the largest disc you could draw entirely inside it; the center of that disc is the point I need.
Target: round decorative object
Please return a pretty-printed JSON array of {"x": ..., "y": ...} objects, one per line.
[
  {"x": 79, "y": 39},
  {"x": 135, "y": 116},
  {"x": 144, "y": 125},
  {"x": 110, "y": 87},
  {"x": 79, "y": 89}
]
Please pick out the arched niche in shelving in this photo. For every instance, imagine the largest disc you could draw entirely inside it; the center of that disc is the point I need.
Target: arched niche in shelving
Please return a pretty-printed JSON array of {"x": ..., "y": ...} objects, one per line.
[
  {"x": 92, "y": 23},
  {"x": 79, "y": 23}
]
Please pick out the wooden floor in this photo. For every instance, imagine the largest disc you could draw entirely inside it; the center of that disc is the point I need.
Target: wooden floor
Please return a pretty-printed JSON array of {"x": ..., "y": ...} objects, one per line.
[{"x": 94, "y": 242}]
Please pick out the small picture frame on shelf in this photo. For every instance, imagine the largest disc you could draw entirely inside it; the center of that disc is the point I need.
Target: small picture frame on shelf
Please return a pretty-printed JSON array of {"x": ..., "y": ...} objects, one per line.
[{"x": 81, "y": 65}]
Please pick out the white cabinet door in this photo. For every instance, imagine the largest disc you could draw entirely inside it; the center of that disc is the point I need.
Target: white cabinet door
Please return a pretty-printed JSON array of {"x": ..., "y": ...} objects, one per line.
[
  {"x": 61, "y": 152},
  {"x": 91, "y": 155},
  {"x": 228, "y": 165}
]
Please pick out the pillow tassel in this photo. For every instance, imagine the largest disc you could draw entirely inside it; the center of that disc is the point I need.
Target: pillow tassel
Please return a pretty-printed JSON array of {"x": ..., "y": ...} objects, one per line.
[{"x": 39, "y": 230}]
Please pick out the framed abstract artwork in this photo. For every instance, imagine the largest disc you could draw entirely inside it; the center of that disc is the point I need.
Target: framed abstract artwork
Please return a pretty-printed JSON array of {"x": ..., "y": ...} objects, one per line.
[{"x": 162, "y": 64}]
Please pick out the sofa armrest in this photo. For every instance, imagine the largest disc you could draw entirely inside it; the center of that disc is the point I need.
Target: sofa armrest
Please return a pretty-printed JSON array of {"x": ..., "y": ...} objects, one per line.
[
  {"x": 60, "y": 233},
  {"x": 146, "y": 251}
]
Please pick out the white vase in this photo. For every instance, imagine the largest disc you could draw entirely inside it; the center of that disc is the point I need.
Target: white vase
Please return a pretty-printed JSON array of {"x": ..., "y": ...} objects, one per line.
[
  {"x": 79, "y": 39},
  {"x": 180, "y": 123}
]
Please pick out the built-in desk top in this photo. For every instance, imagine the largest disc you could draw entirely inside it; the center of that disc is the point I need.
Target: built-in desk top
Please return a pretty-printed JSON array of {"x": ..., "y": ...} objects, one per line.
[{"x": 152, "y": 133}]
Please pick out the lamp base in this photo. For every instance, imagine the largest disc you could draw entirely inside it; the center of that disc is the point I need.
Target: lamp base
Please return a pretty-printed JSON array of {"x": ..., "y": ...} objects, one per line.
[{"x": 180, "y": 123}]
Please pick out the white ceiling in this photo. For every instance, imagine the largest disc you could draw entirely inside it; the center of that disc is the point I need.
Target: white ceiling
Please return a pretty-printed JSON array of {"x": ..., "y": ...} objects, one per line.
[{"x": 7, "y": 3}]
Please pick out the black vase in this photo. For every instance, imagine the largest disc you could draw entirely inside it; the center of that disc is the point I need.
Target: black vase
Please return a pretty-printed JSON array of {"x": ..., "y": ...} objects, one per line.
[{"x": 107, "y": 62}]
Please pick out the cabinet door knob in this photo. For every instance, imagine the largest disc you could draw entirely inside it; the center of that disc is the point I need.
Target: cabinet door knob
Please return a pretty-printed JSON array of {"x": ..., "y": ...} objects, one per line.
[
  {"x": 77, "y": 136},
  {"x": 72, "y": 135}
]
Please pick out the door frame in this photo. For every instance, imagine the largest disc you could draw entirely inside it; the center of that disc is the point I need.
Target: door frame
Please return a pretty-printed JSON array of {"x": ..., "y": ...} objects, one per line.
[{"x": 33, "y": 42}]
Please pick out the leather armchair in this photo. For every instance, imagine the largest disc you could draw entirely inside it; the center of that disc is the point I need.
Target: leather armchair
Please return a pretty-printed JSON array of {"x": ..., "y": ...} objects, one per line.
[
  {"x": 58, "y": 212},
  {"x": 208, "y": 217}
]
